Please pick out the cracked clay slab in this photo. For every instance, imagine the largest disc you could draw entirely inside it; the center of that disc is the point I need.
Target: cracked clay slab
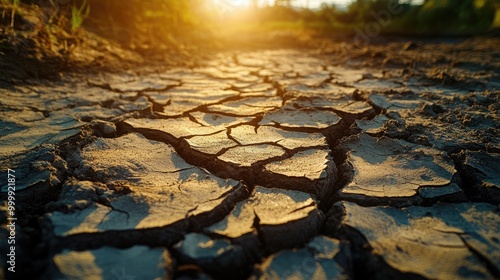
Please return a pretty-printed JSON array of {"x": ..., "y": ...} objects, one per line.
[
  {"x": 387, "y": 167},
  {"x": 342, "y": 105},
  {"x": 248, "y": 134},
  {"x": 310, "y": 164},
  {"x": 219, "y": 256},
  {"x": 177, "y": 127},
  {"x": 295, "y": 118},
  {"x": 445, "y": 241},
  {"x": 247, "y": 107},
  {"x": 322, "y": 258},
  {"x": 132, "y": 83},
  {"x": 149, "y": 185},
  {"x": 211, "y": 144},
  {"x": 188, "y": 99},
  {"x": 246, "y": 156},
  {"x": 139, "y": 262},
  {"x": 284, "y": 218},
  {"x": 311, "y": 171}
]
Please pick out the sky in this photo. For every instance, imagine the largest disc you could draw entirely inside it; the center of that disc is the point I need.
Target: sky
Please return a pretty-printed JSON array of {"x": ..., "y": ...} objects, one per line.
[
  {"x": 317, "y": 3},
  {"x": 301, "y": 3}
]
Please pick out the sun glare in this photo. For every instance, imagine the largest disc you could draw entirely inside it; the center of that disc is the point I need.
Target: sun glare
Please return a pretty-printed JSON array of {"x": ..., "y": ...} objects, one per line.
[
  {"x": 233, "y": 3},
  {"x": 239, "y": 3}
]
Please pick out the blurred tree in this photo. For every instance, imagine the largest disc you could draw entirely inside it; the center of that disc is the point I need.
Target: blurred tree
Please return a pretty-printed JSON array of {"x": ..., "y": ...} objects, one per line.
[
  {"x": 432, "y": 16},
  {"x": 284, "y": 3},
  {"x": 457, "y": 16},
  {"x": 152, "y": 21},
  {"x": 330, "y": 13}
]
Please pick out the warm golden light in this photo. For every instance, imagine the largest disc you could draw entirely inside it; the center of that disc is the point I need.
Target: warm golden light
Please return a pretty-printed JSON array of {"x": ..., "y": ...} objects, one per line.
[
  {"x": 238, "y": 3},
  {"x": 228, "y": 4}
]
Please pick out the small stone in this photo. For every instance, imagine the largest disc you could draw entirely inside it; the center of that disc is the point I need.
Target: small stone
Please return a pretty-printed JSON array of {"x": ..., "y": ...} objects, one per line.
[
  {"x": 150, "y": 188},
  {"x": 410, "y": 46},
  {"x": 248, "y": 106},
  {"x": 104, "y": 128},
  {"x": 74, "y": 159},
  {"x": 108, "y": 129}
]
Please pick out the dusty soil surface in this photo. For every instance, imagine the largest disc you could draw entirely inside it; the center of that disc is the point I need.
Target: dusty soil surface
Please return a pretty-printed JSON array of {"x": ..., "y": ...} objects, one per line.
[{"x": 339, "y": 162}]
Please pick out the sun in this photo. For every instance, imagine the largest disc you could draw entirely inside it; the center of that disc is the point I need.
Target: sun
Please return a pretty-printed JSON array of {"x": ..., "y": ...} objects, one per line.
[
  {"x": 233, "y": 3},
  {"x": 239, "y": 3}
]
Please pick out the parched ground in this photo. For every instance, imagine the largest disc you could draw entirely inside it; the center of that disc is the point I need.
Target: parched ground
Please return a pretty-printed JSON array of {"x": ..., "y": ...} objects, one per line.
[{"x": 339, "y": 162}]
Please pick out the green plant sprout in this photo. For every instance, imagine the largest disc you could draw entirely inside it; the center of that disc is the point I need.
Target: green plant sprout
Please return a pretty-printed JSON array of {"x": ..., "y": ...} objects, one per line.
[{"x": 78, "y": 15}]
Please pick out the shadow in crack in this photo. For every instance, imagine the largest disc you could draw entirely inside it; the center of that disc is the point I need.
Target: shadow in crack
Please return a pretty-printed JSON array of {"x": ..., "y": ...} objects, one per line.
[{"x": 126, "y": 213}]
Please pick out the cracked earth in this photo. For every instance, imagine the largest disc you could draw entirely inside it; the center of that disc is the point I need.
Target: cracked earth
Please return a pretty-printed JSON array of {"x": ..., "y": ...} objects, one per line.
[{"x": 271, "y": 164}]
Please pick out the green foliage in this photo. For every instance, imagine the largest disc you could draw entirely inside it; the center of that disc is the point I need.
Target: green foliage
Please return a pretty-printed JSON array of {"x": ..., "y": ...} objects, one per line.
[
  {"x": 433, "y": 17},
  {"x": 455, "y": 16},
  {"x": 78, "y": 15},
  {"x": 37, "y": 29},
  {"x": 149, "y": 22}
]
